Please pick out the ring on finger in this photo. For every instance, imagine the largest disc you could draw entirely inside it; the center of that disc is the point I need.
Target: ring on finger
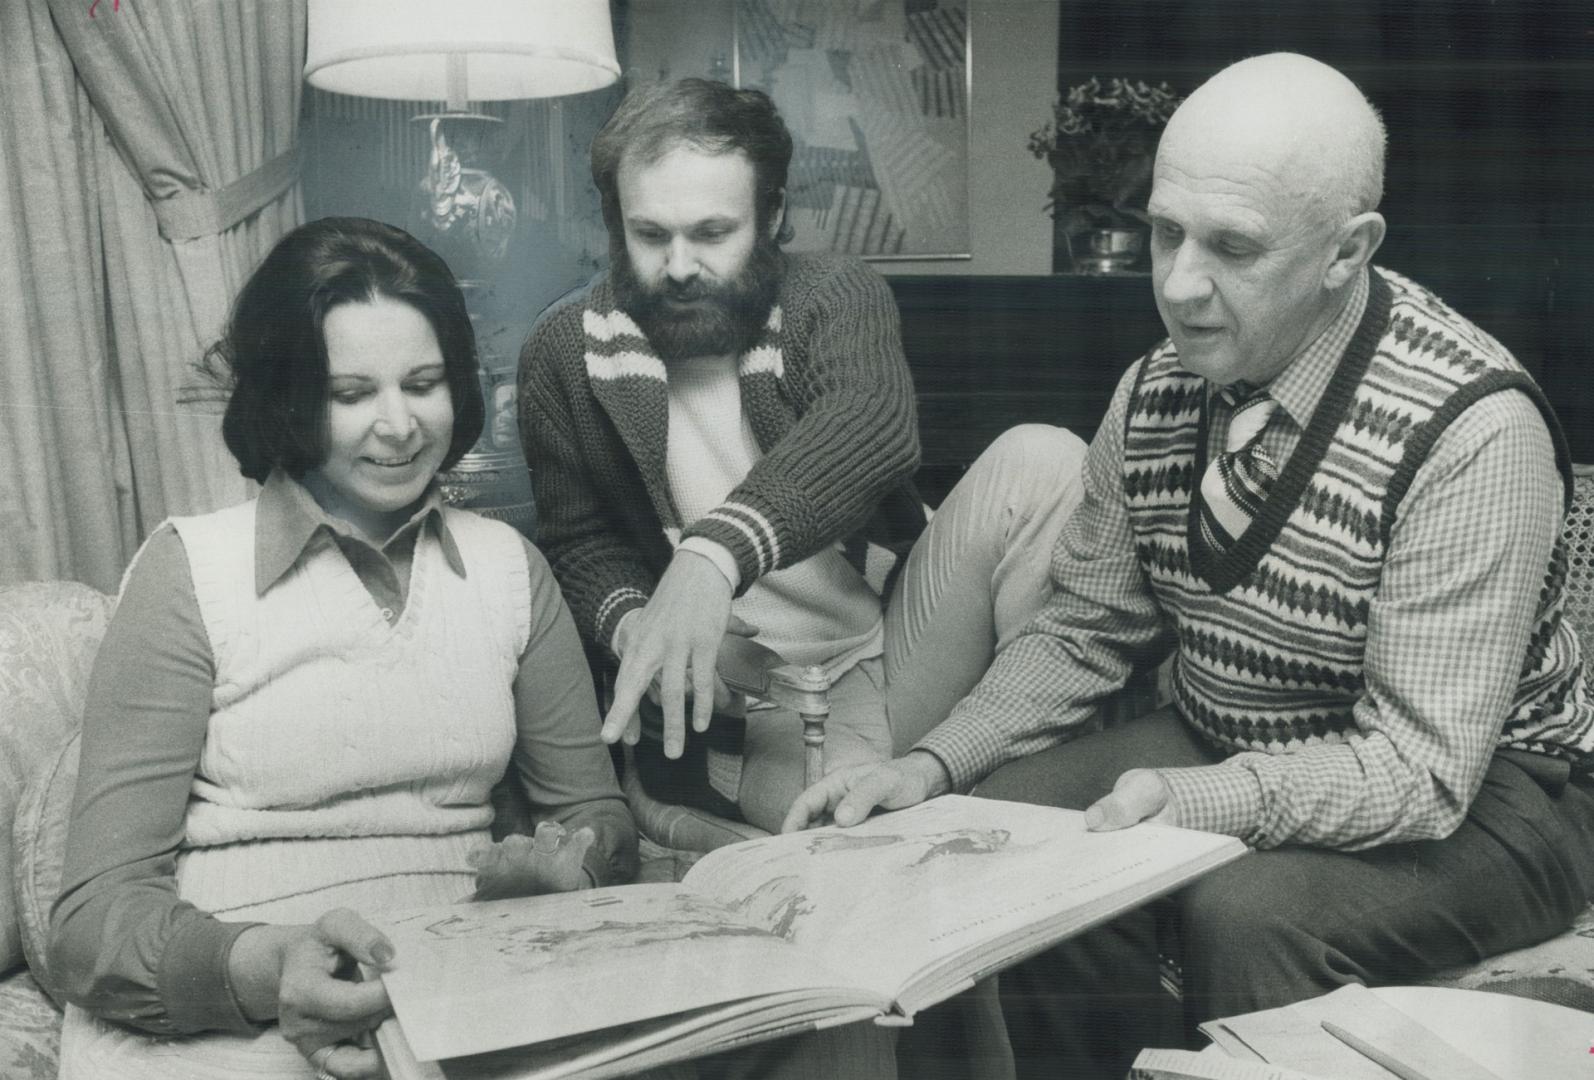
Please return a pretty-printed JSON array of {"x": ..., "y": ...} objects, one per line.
[
  {"x": 548, "y": 837},
  {"x": 319, "y": 1058}
]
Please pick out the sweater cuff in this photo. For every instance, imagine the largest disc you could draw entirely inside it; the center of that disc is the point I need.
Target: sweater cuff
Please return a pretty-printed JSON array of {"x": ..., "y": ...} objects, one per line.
[
  {"x": 615, "y": 607},
  {"x": 745, "y": 533},
  {"x": 716, "y": 553},
  {"x": 193, "y": 981},
  {"x": 1222, "y": 798}
]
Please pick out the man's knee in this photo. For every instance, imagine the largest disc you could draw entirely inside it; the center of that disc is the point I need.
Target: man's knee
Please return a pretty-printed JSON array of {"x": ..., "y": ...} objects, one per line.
[
  {"x": 1257, "y": 934},
  {"x": 1035, "y": 449},
  {"x": 1030, "y": 478}
]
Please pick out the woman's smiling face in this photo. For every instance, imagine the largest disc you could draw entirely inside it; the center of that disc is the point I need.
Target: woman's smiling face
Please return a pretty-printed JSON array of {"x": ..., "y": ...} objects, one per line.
[{"x": 390, "y": 418}]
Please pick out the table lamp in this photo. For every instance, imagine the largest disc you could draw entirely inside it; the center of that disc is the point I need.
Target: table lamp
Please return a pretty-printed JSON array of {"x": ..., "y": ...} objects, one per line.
[{"x": 459, "y": 53}]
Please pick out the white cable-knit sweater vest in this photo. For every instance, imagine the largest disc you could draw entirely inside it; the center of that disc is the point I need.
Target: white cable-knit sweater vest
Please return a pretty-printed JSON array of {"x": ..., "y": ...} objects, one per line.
[{"x": 328, "y": 723}]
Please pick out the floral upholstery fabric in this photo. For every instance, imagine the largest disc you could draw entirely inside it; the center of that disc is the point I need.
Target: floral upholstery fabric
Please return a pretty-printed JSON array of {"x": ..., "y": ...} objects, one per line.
[
  {"x": 30, "y": 1029},
  {"x": 1560, "y": 971},
  {"x": 49, "y": 633},
  {"x": 40, "y": 838}
]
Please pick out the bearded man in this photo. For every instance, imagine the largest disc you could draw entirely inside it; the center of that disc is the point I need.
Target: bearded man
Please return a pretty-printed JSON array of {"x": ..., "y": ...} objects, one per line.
[{"x": 722, "y": 437}]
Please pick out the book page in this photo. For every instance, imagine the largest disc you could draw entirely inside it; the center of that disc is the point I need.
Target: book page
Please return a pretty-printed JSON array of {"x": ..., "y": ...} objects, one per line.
[
  {"x": 1294, "y": 1034},
  {"x": 904, "y": 891},
  {"x": 1436, "y": 1031},
  {"x": 470, "y": 978},
  {"x": 1187, "y": 1065}
]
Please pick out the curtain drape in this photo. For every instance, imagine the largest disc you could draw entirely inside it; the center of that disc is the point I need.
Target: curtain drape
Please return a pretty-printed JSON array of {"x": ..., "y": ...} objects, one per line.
[
  {"x": 65, "y": 482},
  {"x": 200, "y": 100}
]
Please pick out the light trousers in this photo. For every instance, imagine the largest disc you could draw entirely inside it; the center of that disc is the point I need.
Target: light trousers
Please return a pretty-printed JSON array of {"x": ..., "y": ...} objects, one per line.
[{"x": 975, "y": 577}]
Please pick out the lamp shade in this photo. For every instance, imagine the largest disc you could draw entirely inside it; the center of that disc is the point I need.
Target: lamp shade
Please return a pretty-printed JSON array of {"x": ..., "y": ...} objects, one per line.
[{"x": 461, "y": 50}]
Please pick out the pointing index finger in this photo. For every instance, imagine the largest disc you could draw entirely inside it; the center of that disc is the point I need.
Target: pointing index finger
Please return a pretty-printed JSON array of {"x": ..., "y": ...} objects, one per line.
[{"x": 629, "y": 687}]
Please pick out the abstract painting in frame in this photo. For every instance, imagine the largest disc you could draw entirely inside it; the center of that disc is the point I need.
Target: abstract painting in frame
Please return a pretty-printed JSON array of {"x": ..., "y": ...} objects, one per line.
[{"x": 876, "y": 94}]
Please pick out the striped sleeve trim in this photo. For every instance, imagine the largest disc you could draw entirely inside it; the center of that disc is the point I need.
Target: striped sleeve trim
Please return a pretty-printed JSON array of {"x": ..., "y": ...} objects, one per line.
[
  {"x": 759, "y": 527},
  {"x": 761, "y": 560},
  {"x": 614, "y": 605}
]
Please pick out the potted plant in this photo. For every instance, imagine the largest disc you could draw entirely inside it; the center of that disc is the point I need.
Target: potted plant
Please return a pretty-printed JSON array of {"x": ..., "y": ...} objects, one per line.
[{"x": 1100, "y": 143}]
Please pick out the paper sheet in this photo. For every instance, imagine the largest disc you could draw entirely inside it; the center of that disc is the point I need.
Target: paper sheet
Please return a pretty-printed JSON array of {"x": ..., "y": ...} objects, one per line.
[{"x": 1188, "y": 1065}]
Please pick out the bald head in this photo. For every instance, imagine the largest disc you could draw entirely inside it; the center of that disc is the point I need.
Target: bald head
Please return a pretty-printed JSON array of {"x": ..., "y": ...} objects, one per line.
[
  {"x": 1293, "y": 117},
  {"x": 1262, "y": 210}
]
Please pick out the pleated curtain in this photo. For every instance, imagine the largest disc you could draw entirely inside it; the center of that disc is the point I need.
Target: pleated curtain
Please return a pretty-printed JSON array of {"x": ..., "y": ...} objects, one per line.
[
  {"x": 186, "y": 175},
  {"x": 66, "y": 506}
]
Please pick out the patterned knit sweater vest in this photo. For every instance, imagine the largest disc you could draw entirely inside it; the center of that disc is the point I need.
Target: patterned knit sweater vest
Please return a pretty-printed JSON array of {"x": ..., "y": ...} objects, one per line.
[
  {"x": 1272, "y": 633},
  {"x": 328, "y": 722}
]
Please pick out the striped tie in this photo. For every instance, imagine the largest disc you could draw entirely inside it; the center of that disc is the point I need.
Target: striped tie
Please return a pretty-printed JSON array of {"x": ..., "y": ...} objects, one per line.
[{"x": 1236, "y": 482}]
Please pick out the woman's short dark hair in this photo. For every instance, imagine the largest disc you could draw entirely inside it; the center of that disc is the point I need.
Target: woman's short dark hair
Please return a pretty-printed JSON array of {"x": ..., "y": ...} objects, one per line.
[
  {"x": 274, "y": 353},
  {"x": 711, "y": 116}
]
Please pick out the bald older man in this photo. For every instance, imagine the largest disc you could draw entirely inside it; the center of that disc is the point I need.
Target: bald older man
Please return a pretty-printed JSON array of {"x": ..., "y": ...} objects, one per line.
[{"x": 1340, "y": 503}]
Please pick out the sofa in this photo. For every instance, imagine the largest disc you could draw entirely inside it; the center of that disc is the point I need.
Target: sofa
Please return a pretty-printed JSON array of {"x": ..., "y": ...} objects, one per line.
[{"x": 49, "y": 632}]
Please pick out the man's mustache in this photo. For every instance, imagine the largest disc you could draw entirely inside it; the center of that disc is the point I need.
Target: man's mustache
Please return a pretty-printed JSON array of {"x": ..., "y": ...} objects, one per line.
[{"x": 685, "y": 292}]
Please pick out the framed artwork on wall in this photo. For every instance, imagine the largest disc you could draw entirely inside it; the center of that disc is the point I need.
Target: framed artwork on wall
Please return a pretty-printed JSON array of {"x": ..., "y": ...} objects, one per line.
[{"x": 876, "y": 94}]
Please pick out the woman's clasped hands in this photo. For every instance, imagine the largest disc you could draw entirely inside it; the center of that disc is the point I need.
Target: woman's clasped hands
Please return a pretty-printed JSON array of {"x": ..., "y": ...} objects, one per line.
[{"x": 549, "y": 861}]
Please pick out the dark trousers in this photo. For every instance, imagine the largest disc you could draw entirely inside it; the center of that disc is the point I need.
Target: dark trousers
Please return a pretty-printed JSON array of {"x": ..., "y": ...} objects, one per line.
[{"x": 1289, "y": 923}]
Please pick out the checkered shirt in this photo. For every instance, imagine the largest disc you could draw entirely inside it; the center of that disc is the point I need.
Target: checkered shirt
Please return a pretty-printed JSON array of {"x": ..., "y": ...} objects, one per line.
[{"x": 1447, "y": 633}]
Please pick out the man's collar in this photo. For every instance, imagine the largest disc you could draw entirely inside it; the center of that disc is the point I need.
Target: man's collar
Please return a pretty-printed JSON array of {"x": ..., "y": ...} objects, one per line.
[
  {"x": 1300, "y": 386},
  {"x": 287, "y": 519}
]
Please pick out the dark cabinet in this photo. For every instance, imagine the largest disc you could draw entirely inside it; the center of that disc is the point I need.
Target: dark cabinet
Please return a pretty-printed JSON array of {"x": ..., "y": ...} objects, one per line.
[{"x": 988, "y": 352}]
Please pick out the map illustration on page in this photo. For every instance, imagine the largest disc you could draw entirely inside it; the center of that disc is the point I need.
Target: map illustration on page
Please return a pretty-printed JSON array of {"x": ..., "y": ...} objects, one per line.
[{"x": 763, "y": 938}]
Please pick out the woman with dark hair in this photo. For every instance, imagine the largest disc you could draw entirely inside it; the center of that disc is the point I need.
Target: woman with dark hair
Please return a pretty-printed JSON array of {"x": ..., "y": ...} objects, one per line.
[{"x": 303, "y": 703}]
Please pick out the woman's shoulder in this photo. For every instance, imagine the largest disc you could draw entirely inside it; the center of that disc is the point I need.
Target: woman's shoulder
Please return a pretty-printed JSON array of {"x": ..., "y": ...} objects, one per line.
[
  {"x": 158, "y": 587},
  {"x": 223, "y": 523},
  {"x": 162, "y": 558}
]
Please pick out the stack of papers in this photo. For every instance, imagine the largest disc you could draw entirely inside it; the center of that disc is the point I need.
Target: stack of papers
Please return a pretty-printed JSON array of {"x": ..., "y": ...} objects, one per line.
[
  {"x": 1187, "y": 1065},
  {"x": 1351, "y": 1034}
]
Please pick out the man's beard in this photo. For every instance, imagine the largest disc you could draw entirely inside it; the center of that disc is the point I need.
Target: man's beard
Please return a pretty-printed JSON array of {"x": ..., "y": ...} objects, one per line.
[{"x": 698, "y": 317}]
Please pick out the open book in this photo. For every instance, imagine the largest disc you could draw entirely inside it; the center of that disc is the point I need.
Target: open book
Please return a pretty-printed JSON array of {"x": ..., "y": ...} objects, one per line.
[{"x": 763, "y": 938}]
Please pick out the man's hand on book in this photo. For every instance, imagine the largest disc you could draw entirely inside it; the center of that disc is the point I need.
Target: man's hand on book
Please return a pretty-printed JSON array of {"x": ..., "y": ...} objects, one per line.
[
  {"x": 848, "y": 795},
  {"x": 548, "y": 862},
  {"x": 1139, "y": 795}
]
